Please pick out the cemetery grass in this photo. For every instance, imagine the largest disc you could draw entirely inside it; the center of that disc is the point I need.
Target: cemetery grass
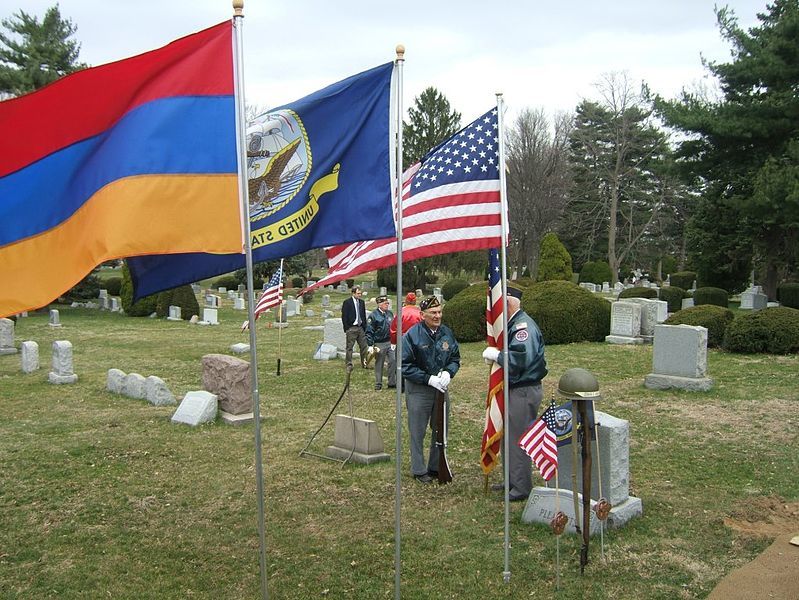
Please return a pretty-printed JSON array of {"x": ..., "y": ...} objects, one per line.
[{"x": 102, "y": 496}]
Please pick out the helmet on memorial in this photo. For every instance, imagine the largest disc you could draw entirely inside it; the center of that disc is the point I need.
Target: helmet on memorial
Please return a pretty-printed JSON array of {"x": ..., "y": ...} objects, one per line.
[{"x": 578, "y": 383}]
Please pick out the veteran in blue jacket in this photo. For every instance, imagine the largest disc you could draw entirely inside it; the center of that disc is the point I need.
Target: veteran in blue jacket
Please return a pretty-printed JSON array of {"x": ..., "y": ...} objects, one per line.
[
  {"x": 377, "y": 336},
  {"x": 526, "y": 368},
  {"x": 430, "y": 359}
]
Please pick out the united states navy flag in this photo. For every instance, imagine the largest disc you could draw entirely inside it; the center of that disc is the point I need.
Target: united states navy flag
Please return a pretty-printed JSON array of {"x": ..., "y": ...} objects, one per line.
[{"x": 318, "y": 175}]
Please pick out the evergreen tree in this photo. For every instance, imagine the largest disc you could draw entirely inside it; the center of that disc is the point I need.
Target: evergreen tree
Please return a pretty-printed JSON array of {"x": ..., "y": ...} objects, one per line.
[
  {"x": 555, "y": 262},
  {"x": 431, "y": 121},
  {"x": 34, "y": 54},
  {"x": 743, "y": 149}
]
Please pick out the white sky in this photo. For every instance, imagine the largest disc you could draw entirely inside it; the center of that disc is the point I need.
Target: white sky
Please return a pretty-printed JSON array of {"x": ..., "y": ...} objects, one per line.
[{"x": 539, "y": 54}]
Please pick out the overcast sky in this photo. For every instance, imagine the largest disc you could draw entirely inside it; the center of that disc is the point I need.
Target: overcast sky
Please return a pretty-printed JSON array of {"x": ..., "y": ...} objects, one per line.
[{"x": 539, "y": 54}]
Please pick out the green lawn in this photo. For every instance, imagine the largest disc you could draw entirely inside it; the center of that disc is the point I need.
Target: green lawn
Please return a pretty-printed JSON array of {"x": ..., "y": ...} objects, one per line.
[{"x": 102, "y": 496}]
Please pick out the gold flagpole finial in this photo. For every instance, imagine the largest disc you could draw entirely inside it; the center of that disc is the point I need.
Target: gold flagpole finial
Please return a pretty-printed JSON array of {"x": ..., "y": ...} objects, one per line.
[
  {"x": 400, "y": 52},
  {"x": 238, "y": 8}
]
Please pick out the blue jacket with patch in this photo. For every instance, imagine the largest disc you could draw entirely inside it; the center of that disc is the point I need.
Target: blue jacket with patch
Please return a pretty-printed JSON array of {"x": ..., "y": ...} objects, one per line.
[
  {"x": 526, "y": 363},
  {"x": 425, "y": 353},
  {"x": 377, "y": 326}
]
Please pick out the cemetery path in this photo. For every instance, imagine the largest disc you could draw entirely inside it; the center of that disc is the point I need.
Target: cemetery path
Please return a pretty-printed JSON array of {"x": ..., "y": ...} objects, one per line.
[{"x": 775, "y": 573}]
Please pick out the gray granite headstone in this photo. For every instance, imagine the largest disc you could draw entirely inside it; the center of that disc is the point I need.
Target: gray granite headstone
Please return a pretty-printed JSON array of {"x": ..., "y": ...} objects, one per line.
[
  {"x": 605, "y": 287},
  {"x": 382, "y": 290},
  {"x": 334, "y": 334},
  {"x": 55, "y": 318},
  {"x": 62, "y": 363},
  {"x": 649, "y": 316},
  {"x": 239, "y": 348},
  {"x": 292, "y": 306},
  {"x": 7, "y": 337},
  {"x": 229, "y": 378},
  {"x": 326, "y": 300},
  {"x": 325, "y": 352},
  {"x": 115, "y": 381},
  {"x": 239, "y": 304},
  {"x": 103, "y": 294},
  {"x": 625, "y": 323},
  {"x": 196, "y": 408},
  {"x": 679, "y": 359},
  {"x": 543, "y": 503},
  {"x": 174, "y": 313},
  {"x": 359, "y": 438},
  {"x": 281, "y": 314},
  {"x": 115, "y": 305},
  {"x": 157, "y": 393},
  {"x": 30, "y": 357},
  {"x": 133, "y": 386},
  {"x": 310, "y": 313}
]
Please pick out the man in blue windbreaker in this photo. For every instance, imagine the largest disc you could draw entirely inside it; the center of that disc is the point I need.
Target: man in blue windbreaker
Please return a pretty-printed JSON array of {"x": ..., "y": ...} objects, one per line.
[{"x": 377, "y": 336}]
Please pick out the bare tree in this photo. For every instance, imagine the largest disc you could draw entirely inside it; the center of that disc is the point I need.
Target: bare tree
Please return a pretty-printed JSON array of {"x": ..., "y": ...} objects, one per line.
[{"x": 538, "y": 182}]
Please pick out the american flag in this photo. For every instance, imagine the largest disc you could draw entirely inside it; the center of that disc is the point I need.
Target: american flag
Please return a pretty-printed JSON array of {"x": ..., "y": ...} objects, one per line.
[
  {"x": 272, "y": 296},
  {"x": 539, "y": 443},
  {"x": 450, "y": 203},
  {"x": 495, "y": 401}
]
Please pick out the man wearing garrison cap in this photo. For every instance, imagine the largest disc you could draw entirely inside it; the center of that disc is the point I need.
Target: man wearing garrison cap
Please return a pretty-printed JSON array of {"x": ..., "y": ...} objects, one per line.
[
  {"x": 377, "y": 336},
  {"x": 430, "y": 359},
  {"x": 526, "y": 368}
]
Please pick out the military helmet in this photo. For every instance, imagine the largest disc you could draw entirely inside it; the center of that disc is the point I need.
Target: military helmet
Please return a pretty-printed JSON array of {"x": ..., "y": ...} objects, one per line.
[{"x": 578, "y": 383}]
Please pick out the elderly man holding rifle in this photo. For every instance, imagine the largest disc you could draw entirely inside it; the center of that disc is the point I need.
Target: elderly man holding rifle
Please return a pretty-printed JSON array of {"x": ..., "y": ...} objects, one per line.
[{"x": 430, "y": 359}]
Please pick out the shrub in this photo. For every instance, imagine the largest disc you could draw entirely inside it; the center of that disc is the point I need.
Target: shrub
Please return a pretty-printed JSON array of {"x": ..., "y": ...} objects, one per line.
[
  {"x": 711, "y": 295},
  {"x": 673, "y": 296},
  {"x": 113, "y": 285},
  {"x": 555, "y": 262},
  {"x": 567, "y": 313},
  {"x": 307, "y": 297},
  {"x": 713, "y": 318},
  {"x": 771, "y": 330},
  {"x": 452, "y": 287},
  {"x": 144, "y": 307},
  {"x": 596, "y": 272},
  {"x": 683, "y": 279},
  {"x": 87, "y": 288},
  {"x": 297, "y": 282},
  {"x": 229, "y": 282},
  {"x": 182, "y": 296},
  {"x": 465, "y": 313},
  {"x": 638, "y": 292},
  {"x": 788, "y": 294},
  {"x": 350, "y": 283}
]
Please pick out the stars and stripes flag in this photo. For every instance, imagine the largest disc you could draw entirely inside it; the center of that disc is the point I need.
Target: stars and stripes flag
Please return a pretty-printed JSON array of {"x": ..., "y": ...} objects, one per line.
[
  {"x": 450, "y": 203},
  {"x": 272, "y": 296},
  {"x": 495, "y": 400},
  {"x": 540, "y": 444}
]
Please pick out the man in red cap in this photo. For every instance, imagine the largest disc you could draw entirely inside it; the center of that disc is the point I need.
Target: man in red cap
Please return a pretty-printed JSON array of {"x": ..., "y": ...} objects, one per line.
[{"x": 411, "y": 315}]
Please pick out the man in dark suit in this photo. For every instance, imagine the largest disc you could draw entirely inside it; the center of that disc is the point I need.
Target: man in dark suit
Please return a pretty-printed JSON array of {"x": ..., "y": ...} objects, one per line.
[{"x": 353, "y": 319}]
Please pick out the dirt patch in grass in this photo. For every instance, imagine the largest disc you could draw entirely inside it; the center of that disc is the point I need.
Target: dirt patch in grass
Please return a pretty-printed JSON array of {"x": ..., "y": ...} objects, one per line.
[{"x": 764, "y": 516}]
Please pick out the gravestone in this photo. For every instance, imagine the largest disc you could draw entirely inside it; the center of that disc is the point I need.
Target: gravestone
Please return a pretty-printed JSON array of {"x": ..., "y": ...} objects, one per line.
[
  {"x": 55, "y": 318},
  {"x": 133, "y": 386},
  {"x": 222, "y": 290},
  {"x": 419, "y": 294},
  {"x": 211, "y": 301},
  {"x": 174, "y": 313},
  {"x": 649, "y": 316},
  {"x": 232, "y": 295},
  {"x": 605, "y": 287},
  {"x": 239, "y": 304},
  {"x": 103, "y": 294},
  {"x": 686, "y": 303},
  {"x": 382, "y": 291},
  {"x": 618, "y": 287},
  {"x": 342, "y": 288},
  {"x": 334, "y": 334},
  {"x": 195, "y": 320},
  {"x": 241, "y": 288},
  {"x": 30, "y": 357},
  {"x": 310, "y": 313},
  {"x": 679, "y": 359},
  {"x": 157, "y": 393},
  {"x": 195, "y": 287},
  {"x": 239, "y": 348},
  {"x": 228, "y": 378},
  {"x": 292, "y": 306},
  {"x": 588, "y": 286},
  {"x": 196, "y": 408},
  {"x": 357, "y": 439},
  {"x": 115, "y": 304},
  {"x": 115, "y": 381},
  {"x": 210, "y": 316},
  {"x": 325, "y": 351},
  {"x": 62, "y": 363},
  {"x": 326, "y": 301},
  {"x": 7, "y": 337},
  {"x": 625, "y": 323},
  {"x": 752, "y": 299},
  {"x": 281, "y": 316}
]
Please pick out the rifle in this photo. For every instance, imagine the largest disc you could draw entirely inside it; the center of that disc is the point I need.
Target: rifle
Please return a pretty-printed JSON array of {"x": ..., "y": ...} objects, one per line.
[{"x": 444, "y": 474}]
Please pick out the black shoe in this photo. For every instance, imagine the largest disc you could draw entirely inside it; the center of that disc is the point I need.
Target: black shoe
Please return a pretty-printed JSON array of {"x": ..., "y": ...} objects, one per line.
[
  {"x": 423, "y": 478},
  {"x": 433, "y": 474},
  {"x": 378, "y": 387}
]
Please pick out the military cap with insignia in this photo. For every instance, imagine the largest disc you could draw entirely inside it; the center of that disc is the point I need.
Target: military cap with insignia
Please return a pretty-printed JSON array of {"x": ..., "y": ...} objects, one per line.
[
  {"x": 514, "y": 292},
  {"x": 429, "y": 302}
]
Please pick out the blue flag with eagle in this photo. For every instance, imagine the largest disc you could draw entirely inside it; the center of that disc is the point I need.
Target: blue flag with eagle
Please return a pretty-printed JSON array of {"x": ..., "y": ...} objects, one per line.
[{"x": 318, "y": 175}]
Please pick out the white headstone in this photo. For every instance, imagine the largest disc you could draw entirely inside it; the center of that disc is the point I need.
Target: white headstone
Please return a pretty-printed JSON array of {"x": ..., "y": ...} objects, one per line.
[
  {"x": 7, "y": 337},
  {"x": 157, "y": 393},
  {"x": 686, "y": 303},
  {"x": 292, "y": 307},
  {"x": 325, "y": 352},
  {"x": 649, "y": 316},
  {"x": 55, "y": 318},
  {"x": 115, "y": 304},
  {"x": 115, "y": 381},
  {"x": 174, "y": 313},
  {"x": 625, "y": 323},
  {"x": 30, "y": 357},
  {"x": 679, "y": 359},
  {"x": 382, "y": 291},
  {"x": 210, "y": 316},
  {"x": 103, "y": 294},
  {"x": 605, "y": 287},
  {"x": 62, "y": 363},
  {"x": 239, "y": 348},
  {"x": 196, "y": 408},
  {"x": 239, "y": 304},
  {"x": 222, "y": 290},
  {"x": 326, "y": 300}
]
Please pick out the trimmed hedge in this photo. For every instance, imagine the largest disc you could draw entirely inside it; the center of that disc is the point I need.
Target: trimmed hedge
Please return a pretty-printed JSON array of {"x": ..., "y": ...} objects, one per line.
[
  {"x": 673, "y": 296},
  {"x": 144, "y": 307},
  {"x": 683, "y": 279},
  {"x": 788, "y": 294},
  {"x": 638, "y": 292},
  {"x": 453, "y": 287},
  {"x": 113, "y": 285},
  {"x": 713, "y": 318},
  {"x": 771, "y": 330},
  {"x": 596, "y": 272},
  {"x": 564, "y": 312},
  {"x": 182, "y": 296},
  {"x": 297, "y": 282},
  {"x": 711, "y": 295},
  {"x": 229, "y": 282}
]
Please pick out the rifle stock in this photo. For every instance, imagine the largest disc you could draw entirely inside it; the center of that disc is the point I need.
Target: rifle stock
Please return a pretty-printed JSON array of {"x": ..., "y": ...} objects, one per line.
[{"x": 444, "y": 474}]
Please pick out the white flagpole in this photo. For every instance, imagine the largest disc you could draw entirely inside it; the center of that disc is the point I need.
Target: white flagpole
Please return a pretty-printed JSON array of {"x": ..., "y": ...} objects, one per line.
[
  {"x": 238, "y": 24},
  {"x": 398, "y": 354},
  {"x": 506, "y": 392}
]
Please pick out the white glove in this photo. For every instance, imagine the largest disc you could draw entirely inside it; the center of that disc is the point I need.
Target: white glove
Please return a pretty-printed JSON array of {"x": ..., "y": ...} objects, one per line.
[
  {"x": 490, "y": 355},
  {"x": 445, "y": 378},
  {"x": 393, "y": 347},
  {"x": 436, "y": 382}
]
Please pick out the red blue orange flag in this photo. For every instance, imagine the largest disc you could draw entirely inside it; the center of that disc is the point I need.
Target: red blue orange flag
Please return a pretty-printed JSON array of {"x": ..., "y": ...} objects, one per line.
[{"x": 126, "y": 159}]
